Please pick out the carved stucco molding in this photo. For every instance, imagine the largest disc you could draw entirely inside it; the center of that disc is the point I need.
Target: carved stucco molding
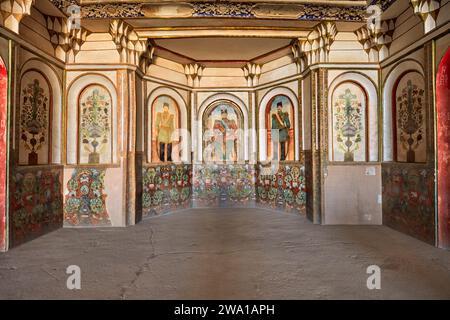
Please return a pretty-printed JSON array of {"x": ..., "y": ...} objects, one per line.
[
  {"x": 127, "y": 41},
  {"x": 377, "y": 39},
  {"x": 252, "y": 72},
  {"x": 311, "y": 11},
  {"x": 316, "y": 47},
  {"x": 319, "y": 42},
  {"x": 299, "y": 54},
  {"x": 383, "y": 4},
  {"x": 428, "y": 11},
  {"x": 147, "y": 56},
  {"x": 66, "y": 38},
  {"x": 193, "y": 72},
  {"x": 12, "y": 12}
]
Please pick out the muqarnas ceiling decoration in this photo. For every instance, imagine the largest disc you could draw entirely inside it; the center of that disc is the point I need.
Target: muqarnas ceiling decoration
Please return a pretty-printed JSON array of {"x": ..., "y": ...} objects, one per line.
[
  {"x": 95, "y": 125},
  {"x": 410, "y": 115},
  {"x": 34, "y": 119},
  {"x": 349, "y": 117}
]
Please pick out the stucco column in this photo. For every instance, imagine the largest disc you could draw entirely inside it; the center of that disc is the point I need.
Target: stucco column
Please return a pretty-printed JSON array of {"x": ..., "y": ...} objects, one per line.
[{"x": 319, "y": 143}]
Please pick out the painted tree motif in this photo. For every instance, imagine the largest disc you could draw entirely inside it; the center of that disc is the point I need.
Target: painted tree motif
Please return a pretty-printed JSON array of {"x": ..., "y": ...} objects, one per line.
[
  {"x": 348, "y": 123},
  {"x": 410, "y": 119},
  {"x": 95, "y": 126},
  {"x": 34, "y": 119}
]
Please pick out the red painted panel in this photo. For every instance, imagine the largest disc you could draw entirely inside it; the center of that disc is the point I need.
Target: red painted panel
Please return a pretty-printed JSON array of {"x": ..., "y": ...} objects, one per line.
[
  {"x": 3, "y": 111},
  {"x": 443, "y": 132}
]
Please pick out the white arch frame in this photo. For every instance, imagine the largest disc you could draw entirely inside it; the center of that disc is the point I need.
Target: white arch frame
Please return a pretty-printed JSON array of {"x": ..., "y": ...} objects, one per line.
[
  {"x": 388, "y": 134},
  {"x": 75, "y": 89},
  {"x": 176, "y": 96},
  {"x": 56, "y": 91},
  {"x": 262, "y": 120},
  {"x": 209, "y": 101},
  {"x": 372, "y": 104}
]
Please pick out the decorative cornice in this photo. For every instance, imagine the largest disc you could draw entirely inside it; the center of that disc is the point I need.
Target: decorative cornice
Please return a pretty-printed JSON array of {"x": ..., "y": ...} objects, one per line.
[
  {"x": 66, "y": 39},
  {"x": 116, "y": 11},
  {"x": 128, "y": 44},
  {"x": 12, "y": 12},
  {"x": 383, "y": 4},
  {"x": 252, "y": 72},
  {"x": 376, "y": 39},
  {"x": 224, "y": 9},
  {"x": 428, "y": 11},
  {"x": 312, "y": 12},
  {"x": 193, "y": 72}
]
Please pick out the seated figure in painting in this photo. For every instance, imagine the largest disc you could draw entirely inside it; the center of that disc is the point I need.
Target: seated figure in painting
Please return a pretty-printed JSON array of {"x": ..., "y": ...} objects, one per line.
[
  {"x": 165, "y": 126},
  {"x": 227, "y": 129},
  {"x": 280, "y": 131}
]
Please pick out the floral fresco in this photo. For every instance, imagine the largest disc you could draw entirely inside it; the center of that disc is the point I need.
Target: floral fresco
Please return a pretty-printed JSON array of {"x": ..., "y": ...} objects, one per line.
[
  {"x": 408, "y": 199},
  {"x": 34, "y": 119},
  {"x": 349, "y": 118},
  {"x": 3, "y": 155},
  {"x": 224, "y": 185},
  {"x": 166, "y": 188},
  {"x": 36, "y": 203},
  {"x": 95, "y": 125},
  {"x": 282, "y": 188},
  {"x": 410, "y": 118},
  {"x": 85, "y": 203}
]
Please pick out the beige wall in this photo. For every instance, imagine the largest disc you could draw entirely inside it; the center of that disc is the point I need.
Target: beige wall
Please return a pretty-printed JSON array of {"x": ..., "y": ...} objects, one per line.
[{"x": 352, "y": 194}]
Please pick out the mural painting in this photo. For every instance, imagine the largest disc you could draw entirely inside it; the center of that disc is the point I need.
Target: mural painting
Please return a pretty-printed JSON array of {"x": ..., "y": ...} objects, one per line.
[
  {"x": 165, "y": 123},
  {"x": 284, "y": 189},
  {"x": 349, "y": 123},
  {"x": 85, "y": 203},
  {"x": 3, "y": 154},
  {"x": 166, "y": 188},
  {"x": 35, "y": 105},
  {"x": 95, "y": 131},
  {"x": 224, "y": 185},
  {"x": 408, "y": 200},
  {"x": 36, "y": 204},
  {"x": 223, "y": 133},
  {"x": 410, "y": 118},
  {"x": 443, "y": 152},
  {"x": 280, "y": 132}
]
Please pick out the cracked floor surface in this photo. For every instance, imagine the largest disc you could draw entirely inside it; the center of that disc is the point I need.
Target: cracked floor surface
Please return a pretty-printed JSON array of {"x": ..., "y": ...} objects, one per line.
[{"x": 226, "y": 254}]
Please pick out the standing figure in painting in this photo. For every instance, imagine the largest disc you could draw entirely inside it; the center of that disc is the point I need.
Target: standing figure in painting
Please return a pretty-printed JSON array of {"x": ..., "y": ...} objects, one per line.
[
  {"x": 280, "y": 128},
  {"x": 227, "y": 129},
  {"x": 165, "y": 124}
]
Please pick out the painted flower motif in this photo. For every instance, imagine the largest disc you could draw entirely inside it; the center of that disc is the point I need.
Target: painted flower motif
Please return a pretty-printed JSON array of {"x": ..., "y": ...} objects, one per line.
[
  {"x": 273, "y": 192},
  {"x": 146, "y": 200}
]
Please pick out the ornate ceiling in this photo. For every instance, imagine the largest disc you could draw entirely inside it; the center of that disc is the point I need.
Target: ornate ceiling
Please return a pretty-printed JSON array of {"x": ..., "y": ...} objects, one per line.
[{"x": 338, "y": 10}]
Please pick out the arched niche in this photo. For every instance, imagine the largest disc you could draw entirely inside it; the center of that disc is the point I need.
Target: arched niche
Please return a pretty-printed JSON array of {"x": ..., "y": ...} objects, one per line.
[
  {"x": 209, "y": 103},
  {"x": 95, "y": 129},
  {"x": 409, "y": 118},
  {"x": 3, "y": 150},
  {"x": 76, "y": 89},
  {"x": 443, "y": 150},
  {"x": 55, "y": 96},
  {"x": 183, "y": 133},
  {"x": 367, "y": 96},
  {"x": 388, "y": 89},
  {"x": 262, "y": 120}
]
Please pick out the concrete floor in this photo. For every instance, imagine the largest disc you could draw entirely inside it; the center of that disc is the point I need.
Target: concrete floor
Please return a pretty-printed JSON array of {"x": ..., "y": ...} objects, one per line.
[{"x": 226, "y": 254}]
